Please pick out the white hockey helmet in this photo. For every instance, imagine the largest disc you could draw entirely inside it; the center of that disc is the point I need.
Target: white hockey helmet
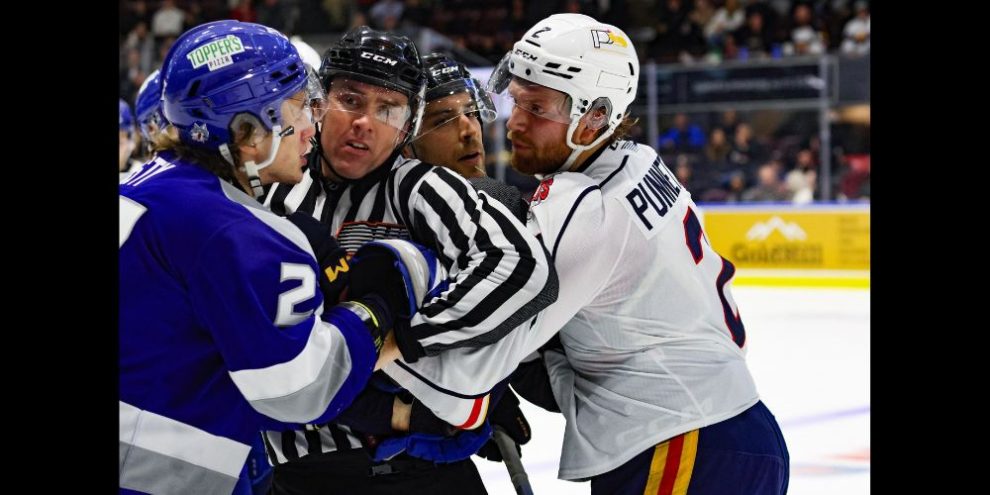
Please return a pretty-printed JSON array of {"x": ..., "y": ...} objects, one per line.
[{"x": 593, "y": 63}]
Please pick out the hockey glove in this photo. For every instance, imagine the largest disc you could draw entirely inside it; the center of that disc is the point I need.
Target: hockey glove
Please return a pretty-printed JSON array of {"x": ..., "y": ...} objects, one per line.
[
  {"x": 436, "y": 448},
  {"x": 405, "y": 275},
  {"x": 332, "y": 259},
  {"x": 509, "y": 416}
]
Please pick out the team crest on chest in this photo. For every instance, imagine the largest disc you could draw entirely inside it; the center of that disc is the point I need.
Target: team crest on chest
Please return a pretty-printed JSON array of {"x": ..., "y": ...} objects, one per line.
[{"x": 541, "y": 192}]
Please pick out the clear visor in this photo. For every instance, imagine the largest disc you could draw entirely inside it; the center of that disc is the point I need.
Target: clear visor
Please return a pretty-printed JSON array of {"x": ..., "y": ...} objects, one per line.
[
  {"x": 305, "y": 108},
  {"x": 450, "y": 101},
  {"x": 315, "y": 106},
  {"x": 380, "y": 105},
  {"x": 509, "y": 92}
]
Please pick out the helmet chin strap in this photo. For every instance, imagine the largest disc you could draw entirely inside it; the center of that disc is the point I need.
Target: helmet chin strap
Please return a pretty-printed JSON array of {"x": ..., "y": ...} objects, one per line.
[
  {"x": 577, "y": 149},
  {"x": 253, "y": 168}
]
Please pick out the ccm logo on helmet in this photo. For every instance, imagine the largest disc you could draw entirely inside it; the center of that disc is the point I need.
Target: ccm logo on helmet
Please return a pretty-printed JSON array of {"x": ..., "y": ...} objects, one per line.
[
  {"x": 526, "y": 55},
  {"x": 379, "y": 58},
  {"x": 445, "y": 70}
]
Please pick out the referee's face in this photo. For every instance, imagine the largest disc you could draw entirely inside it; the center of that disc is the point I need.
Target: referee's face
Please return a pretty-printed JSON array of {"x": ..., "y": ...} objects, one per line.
[
  {"x": 363, "y": 126},
  {"x": 450, "y": 135}
]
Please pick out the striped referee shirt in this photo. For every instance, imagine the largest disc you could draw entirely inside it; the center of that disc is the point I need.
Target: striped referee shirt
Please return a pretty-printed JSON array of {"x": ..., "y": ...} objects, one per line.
[
  {"x": 500, "y": 273},
  {"x": 503, "y": 275}
]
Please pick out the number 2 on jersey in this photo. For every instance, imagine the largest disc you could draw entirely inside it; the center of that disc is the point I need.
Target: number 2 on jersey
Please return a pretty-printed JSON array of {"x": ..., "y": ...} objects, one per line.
[{"x": 694, "y": 235}]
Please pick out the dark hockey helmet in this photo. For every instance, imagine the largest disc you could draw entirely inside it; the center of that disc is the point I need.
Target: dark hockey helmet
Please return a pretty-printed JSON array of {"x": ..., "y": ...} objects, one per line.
[{"x": 381, "y": 59}]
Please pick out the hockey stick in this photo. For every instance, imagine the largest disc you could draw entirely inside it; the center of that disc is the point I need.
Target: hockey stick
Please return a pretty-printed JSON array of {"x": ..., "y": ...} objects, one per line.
[{"x": 517, "y": 473}]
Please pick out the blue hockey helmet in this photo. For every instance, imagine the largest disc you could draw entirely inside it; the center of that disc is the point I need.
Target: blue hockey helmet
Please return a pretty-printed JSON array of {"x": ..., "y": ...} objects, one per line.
[
  {"x": 148, "y": 106},
  {"x": 126, "y": 117},
  {"x": 220, "y": 70}
]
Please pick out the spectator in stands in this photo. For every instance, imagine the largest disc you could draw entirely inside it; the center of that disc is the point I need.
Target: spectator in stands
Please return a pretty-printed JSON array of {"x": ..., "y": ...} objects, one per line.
[
  {"x": 746, "y": 152},
  {"x": 718, "y": 147},
  {"x": 855, "y": 181},
  {"x": 856, "y": 34},
  {"x": 768, "y": 187},
  {"x": 678, "y": 38},
  {"x": 806, "y": 38},
  {"x": 168, "y": 21},
  {"x": 683, "y": 136},
  {"x": 753, "y": 39},
  {"x": 801, "y": 182},
  {"x": 702, "y": 14},
  {"x": 736, "y": 187},
  {"x": 727, "y": 19},
  {"x": 685, "y": 174}
]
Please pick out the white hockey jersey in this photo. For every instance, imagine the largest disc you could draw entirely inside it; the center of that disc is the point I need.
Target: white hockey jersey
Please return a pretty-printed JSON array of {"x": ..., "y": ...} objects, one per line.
[
  {"x": 653, "y": 339},
  {"x": 655, "y": 348}
]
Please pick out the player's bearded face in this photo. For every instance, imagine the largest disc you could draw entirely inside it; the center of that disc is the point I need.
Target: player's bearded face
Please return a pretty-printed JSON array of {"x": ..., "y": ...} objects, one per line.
[{"x": 536, "y": 129}]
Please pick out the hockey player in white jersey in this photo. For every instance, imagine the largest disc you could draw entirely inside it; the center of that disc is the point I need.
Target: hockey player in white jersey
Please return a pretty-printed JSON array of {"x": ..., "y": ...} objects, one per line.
[{"x": 651, "y": 373}]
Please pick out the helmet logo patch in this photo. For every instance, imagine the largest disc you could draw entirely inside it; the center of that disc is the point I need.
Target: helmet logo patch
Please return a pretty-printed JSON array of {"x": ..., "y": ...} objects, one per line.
[
  {"x": 602, "y": 37},
  {"x": 379, "y": 58},
  {"x": 199, "y": 132},
  {"x": 216, "y": 54}
]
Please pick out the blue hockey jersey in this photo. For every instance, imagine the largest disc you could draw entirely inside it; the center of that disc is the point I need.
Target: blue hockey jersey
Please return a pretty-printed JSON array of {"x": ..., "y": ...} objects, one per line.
[{"x": 222, "y": 331}]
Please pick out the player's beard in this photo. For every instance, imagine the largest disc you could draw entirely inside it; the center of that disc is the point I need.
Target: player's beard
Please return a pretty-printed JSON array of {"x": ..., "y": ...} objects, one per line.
[{"x": 544, "y": 159}]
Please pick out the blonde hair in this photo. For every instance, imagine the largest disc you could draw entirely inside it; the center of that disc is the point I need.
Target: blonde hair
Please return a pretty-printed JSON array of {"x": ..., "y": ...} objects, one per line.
[
  {"x": 211, "y": 160},
  {"x": 623, "y": 129}
]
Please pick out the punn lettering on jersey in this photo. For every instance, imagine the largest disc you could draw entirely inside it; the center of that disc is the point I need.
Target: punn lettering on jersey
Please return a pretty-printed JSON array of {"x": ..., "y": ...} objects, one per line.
[{"x": 653, "y": 197}]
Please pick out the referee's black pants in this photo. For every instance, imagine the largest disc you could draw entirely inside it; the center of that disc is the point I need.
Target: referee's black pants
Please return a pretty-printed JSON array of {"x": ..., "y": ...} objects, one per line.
[{"x": 352, "y": 472}]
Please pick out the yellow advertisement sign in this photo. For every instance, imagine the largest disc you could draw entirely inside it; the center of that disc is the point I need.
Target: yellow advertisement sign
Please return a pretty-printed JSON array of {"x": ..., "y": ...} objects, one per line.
[{"x": 832, "y": 238}]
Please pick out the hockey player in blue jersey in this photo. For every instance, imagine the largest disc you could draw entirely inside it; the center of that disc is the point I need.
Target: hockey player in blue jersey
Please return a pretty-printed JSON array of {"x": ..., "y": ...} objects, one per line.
[{"x": 223, "y": 327}]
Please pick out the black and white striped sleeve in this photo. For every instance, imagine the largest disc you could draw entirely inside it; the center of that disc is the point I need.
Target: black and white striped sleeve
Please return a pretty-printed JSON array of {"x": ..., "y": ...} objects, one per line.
[{"x": 500, "y": 273}]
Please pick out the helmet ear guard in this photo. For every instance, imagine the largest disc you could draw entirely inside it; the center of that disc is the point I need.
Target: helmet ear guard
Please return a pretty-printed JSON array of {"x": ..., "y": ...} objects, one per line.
[{"x": 599, "y": 113}]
